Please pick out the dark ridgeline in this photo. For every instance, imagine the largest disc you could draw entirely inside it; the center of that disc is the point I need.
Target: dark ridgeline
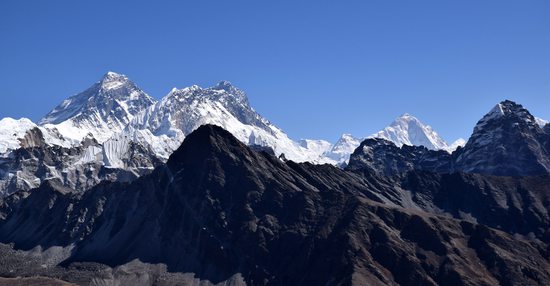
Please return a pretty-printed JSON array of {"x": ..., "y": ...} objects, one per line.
[
  {"x": 505, "y": 142},
  {"x": 220, "y": 209}
]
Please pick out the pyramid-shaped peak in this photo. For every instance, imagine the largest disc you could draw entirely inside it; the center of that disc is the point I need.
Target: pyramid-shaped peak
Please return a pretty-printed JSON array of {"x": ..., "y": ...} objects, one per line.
[
  {"x": 203, "y": 142},
  {"x": 508, "y": 108},
  {"x": 409, "y": 130},
  {"x": 112, "y": 80},
  {"x": 407, "y": 117},
  {"x": 110, "y": 75}
]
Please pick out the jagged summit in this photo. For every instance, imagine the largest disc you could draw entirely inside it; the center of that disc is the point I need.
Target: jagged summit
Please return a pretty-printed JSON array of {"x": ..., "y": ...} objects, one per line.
[
  {"x": 103, "y": 109},
  {"x": 224, "y": 92},
  {"x": 404, "y": 130},
  {"x": 508, "y": 110},
  {"x": 110, "y": 75},
  {"x": 408, "y": 130},
  {"x": 224, "y": 84},
  {"x": 204, "y": 142},
  {"x": 506, "y": 141},
  {"x": 112, "y": 80},
  {"x": 168, "y": 122},
  {"x": 341, "y": 150},
  {"x": 505, "y": 112},
  {"x": 220, "y": 211}
]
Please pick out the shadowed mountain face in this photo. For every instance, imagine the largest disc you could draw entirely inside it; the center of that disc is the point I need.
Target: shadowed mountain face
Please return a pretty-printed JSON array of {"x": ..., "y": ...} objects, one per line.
[
  {"x": 507, "y": 141},
  {"x": 219, "y": 209},
  {"x": 79, "y": 168}
]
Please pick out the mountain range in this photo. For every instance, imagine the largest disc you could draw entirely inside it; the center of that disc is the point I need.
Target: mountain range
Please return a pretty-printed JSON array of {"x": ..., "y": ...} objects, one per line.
[
  {"x": 219, "y": 212},
  {"x": 113, "y": 187},
  {"x": 115, "y": 131}
]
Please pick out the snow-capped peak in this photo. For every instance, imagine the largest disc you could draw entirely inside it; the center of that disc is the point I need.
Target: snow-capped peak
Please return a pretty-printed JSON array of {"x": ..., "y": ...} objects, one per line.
[
  {"x": 317, "y": 147},
  {"x": 541, "y": 122},
  {"x": 342, "y": 149},
  {"x": 507, "y": 109},
  {"x": 460, "y": 142},
  {"x": 103, "y": 109},
  {"x": 408, "y": 130},
  {"x": 224, "y": 84},
  {"x": 11, "y": 131},
  {"x": 112, "y": 80},
  {"x": 184, "y": 110},
  {"x": 112, "y": 74}
]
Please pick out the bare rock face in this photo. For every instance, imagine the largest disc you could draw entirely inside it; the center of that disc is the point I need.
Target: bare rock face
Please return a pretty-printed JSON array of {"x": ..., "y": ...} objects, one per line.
[
  {"x": 33, "y": 139},
  {"x": 78, "y": 168},
  {"x": 383, "y": 157},
  {"x": 505, "y": 142},
  {"x": 222, "y": 211}
]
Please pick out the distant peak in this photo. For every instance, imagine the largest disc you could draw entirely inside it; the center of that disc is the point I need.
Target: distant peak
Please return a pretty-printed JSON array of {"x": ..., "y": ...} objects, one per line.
[
  {"x": 110, "y": 75},
  {"x": 186, "y": 91},
  {"x": 224, "y": 85},
  {"x": 506, "y": 107},
  {"x": 504, "y": 111},
  {"x": 407, "y": 117},
  {"x": 112, "y": 80},
  {"x": 347, "y": 136},
  {"x": 541, "y": 122},
  {"x": 409, "y": 130}
]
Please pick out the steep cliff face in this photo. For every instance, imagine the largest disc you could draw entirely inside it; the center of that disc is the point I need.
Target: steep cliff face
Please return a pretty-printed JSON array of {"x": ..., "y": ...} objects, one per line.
[
  {"x": 506, "y": 141},
  {"x": 221, "y": 210},
  {"x": 102, "y": 110},
  {"x": 79, "y": 168},
  {"x": 383, "y": 157}
]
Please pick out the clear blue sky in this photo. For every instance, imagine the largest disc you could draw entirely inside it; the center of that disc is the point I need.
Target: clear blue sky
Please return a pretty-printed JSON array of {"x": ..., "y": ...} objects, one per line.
[{"x": 314, "y": 68}]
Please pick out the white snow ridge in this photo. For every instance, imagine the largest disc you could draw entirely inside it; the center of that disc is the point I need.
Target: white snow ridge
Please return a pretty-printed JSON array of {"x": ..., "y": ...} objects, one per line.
[
  {"x": 114, "y": 125},
  {"x": 102, "y": 110},
  {"x": 408, "y": 130},
  {"x": 165, "y": 124}
]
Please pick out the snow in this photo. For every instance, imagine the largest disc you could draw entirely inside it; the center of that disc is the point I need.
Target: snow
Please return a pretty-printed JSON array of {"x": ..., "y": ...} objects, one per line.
[
  {"x": 165, "y": 124},
  {"x": 73, "y": 133},
  {"x": 91, "y": 154},
  {"x": 408, "y": 130},
  {"x": 541, "y": 122},
  {"x": 102, "y": 110},
  {"x": 497, "y": 111},
  {"x": 404, "y": 130},
  {"x": 460, "y": 142},
  {"x": 112, "y": 84},
  {"x": 114, "y": 150},
  {"x": 342, "y": 149},
  {"x": 11, "y": 130},
  {"x": 117, "y": 113},
  {"x": 317, "y": 147}
]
